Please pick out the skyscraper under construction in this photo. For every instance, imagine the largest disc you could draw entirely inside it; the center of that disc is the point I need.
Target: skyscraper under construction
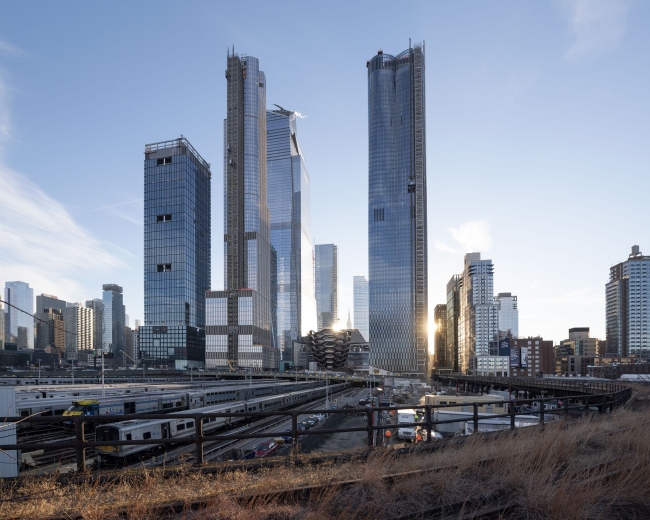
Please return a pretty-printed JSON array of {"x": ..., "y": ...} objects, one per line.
[
  {"x": 397, "y": 212},
  {"x": 238, "y": 320}
]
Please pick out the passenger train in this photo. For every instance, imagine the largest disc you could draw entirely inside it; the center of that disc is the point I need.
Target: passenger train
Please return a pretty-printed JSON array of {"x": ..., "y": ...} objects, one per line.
[
  {"x": 155, "y": 402},
  {"x": 172, "y": 428}
]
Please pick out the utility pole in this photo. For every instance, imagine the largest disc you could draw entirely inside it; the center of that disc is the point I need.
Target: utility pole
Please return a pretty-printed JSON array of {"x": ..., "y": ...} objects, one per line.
[{"x": 72, "y": 371}]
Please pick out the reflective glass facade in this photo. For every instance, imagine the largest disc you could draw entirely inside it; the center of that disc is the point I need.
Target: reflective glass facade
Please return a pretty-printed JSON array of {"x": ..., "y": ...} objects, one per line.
[
  {"x": 397, "y": 213},
  {"x": 112, "y": 320},
  {"x": 177, "y": 212},
  {"x": 20, "y": 326},
  {"x": 361, "y": 316},
  {"x": 239, "y": 328},
  {"x": 327, "y": 286},
  {"x": 508, "y": 314},
  {"x": 628, "y": 307},
  {"x": 288, "y": 197}
]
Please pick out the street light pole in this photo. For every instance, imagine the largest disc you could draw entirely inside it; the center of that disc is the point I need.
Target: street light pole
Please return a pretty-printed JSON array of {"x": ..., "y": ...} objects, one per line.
[{"x": 39, "y": 371}]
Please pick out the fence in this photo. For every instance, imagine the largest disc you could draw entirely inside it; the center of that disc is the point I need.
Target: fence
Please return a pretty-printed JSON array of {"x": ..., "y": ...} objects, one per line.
[{"x": 604, "y": 402}]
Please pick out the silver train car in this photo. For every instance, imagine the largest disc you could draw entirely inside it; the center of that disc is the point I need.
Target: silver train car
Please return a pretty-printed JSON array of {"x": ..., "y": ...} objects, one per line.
[
  {"x": 172, "y": 428},
  {"x": 152, "y": 402}
]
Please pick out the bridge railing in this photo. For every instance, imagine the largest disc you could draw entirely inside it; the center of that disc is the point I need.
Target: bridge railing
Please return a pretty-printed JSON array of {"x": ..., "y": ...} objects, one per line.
[{"x": 570, "y": 405}]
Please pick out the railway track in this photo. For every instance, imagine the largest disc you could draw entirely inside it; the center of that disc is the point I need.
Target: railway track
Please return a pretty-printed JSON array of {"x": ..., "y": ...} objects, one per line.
[{"x": 172, "y": 458}]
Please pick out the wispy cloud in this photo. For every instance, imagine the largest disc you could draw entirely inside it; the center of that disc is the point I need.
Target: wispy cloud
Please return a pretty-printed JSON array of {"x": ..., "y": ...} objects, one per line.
[
  {"x": 470, "y": 236},
  {"x": 8, "y": 49},
  {"x": 597, "y": 25},
  {"x": 116, "y": 205},
  {"x": 40, "y": 241}
]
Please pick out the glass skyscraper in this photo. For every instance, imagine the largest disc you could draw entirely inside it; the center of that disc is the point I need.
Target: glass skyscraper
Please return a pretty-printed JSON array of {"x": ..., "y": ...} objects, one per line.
[
  {"x": 20, "y": 326},
  {"x": 628, "y": 307},
  {"x": 239, "y": 329},
  {"x": 327, "y": 286},
  {"x": 397, "y": 212},
  {"x": 177, "y": 212},
  {"x": 508, "y": 314},
  {"x": 288, "y": 197},
  {"x": 361, "y": 320},
  {"x": 112, "y": 320}
]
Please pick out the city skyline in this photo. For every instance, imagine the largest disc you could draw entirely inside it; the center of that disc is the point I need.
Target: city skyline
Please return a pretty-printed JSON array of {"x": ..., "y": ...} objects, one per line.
[{"x": 599, "y": 134}]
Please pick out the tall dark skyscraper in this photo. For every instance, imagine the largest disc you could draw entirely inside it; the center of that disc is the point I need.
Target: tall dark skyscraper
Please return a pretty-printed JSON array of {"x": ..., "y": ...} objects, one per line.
[
  {"x": 288, "y": 199},
  {"x": 177, "y": 214},
  {"x": 327, "y": 285},
  {"x": 112, "y": 321},
  {"x": 239, "y": 329},
  {"x": 397, "y": 212}
]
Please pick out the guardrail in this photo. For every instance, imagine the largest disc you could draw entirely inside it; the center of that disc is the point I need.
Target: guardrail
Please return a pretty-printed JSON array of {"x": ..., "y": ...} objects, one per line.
[
  {"x": 581, "y": 404},
  {"x": 559, "y": 383}
]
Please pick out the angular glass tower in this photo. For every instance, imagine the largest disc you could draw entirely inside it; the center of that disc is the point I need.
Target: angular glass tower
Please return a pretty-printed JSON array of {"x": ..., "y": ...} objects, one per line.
[
  {"x": 20, "y": 326},
  {"x": 397, "y": 212},
  {"x": 177, "y": 257},
  {"x": 239, "y": 329},
  {"x": 361, "y": 322},
  {"x": 112, "y": 320},
  {"x": 327, "y": 286},
  {"x": 287, "y": 189}
]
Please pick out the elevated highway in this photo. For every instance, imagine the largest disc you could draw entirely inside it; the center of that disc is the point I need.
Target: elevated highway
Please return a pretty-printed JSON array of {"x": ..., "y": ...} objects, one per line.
[{"x": 605, "y": 394}]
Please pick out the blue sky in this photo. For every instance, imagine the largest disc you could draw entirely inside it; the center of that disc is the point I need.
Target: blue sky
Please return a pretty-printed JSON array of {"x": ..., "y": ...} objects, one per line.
[{"x": 537, "y": 135}]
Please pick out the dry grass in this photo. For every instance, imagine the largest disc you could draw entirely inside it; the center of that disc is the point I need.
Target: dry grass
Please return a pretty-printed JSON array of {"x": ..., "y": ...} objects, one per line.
[{"x": 542, "y": 473}]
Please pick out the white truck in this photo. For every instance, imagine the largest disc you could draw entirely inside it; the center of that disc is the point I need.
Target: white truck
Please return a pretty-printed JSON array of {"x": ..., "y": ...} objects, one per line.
[{"x": 407, "y": 433}]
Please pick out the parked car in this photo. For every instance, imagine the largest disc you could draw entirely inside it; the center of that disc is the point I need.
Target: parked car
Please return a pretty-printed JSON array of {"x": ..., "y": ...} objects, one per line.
[
  {"x": 311, "y": 421},
  {"x": 319, "y": 416},
  {"x": 287, "y": 436},
  {"x": 266, "y": 449},
  {"x": 305, "y": 425}
]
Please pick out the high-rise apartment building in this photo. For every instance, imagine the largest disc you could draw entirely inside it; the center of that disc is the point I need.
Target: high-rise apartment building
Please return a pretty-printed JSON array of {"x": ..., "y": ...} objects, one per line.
[
  {"x": 453, "y": 312},
  {"x": 20, "y": 326},
  {"x": 327, "y": 286},
  {"x": 508, "y": 314},
  {"x": 478, "y": 321},
  {"x": 288, "y": 199},
  {"x": 50, "y": 328},
  {"x": 97, "y": 305},
  {"x": 361, "y": 316},
  {"x": 397, "y": 212},
  {"x": 239, "y": 322},
  {"x": 440, "y": 336},
  {"x": 71, "y": 320},
  {"x": 177, "y": 213},
  {"x": 79, "y": 327},
  {"x": 113, "y": 320},
  {"x": 628, "y": 307}
]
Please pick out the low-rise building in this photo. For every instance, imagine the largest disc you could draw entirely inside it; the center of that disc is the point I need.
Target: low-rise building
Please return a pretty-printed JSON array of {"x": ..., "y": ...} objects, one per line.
[{"x": 531, "y": 357}]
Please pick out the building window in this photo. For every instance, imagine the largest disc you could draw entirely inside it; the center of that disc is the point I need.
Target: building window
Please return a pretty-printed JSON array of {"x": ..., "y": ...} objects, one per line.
[
  {"x": 163, "y": 160},
  {"x": 163, "y": 268},
  {"x": 379, "y": 215},
  {"x": 163, "y": 218}
]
